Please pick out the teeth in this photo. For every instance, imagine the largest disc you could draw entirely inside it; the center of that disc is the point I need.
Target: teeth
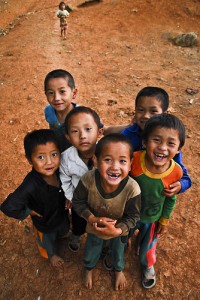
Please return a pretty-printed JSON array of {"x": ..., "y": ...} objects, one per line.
[
  {"x": 160, "y": 155},
  {"x": 114, "y": 175}
]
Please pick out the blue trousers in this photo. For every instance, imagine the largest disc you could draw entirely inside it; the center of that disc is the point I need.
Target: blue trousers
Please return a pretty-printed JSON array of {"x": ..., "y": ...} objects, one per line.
[{"x": 93, "y": 250}]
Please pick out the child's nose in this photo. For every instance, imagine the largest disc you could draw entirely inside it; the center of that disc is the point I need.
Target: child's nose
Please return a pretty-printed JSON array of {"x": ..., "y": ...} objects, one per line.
[
  {"x": 48, "y": 160},
  {"x": 146, "y": 114},
  {"x": 162, "y": 146},
  {"x": 115, "y": 165},
  {"x": 57, "y": 96},
  {"x": 82, "y": 134}
]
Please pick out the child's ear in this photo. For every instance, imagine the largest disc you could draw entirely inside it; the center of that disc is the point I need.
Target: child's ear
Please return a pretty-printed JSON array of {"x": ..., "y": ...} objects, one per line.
[
  {"x": 67, "y": 137},
  {"x": 101, "y": 132},
  {"x": 131, "y": 163},
  {"x": 29, "y": 161},
  {"x": 75, "y": 91},
  {"x": 144, "y": 143},
  {"x": 95, "y": 160}
]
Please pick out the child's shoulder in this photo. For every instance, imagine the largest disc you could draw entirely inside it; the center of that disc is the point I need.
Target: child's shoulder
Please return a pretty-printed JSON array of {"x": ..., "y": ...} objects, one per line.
[
  {"x": 89, "y": 177},
  {"x": 133, "y": 186},
  {"x": 131, "y": 129},
  {"x": 71, "y": 153}
]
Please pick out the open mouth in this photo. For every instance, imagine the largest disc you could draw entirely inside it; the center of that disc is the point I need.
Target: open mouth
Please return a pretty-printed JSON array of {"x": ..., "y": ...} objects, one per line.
[
  {"x": 49, "y": 169},
  {"x": 160, "y": 156},
  {"x": 113, "y": 176}
]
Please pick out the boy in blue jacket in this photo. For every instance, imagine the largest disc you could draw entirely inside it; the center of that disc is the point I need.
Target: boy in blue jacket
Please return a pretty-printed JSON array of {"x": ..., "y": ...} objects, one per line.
[{"x": 152, "y": 101}]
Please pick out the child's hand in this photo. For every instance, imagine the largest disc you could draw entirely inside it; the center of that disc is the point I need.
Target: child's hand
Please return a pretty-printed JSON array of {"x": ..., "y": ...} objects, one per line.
[
  {"x": 173, "y": 190},
  {"x": 107, "y": 227},
  {"x": 99, "y": 220},
  {"x": 35, "y": 214},
  {"x": 162, "y": 229},
  {"x": 68, "y": 204},
  {"x": 136, "y": 232}
]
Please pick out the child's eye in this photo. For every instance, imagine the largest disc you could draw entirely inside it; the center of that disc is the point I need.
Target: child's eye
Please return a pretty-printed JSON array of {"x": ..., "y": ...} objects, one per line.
[
  {"x": 154, "y": 112},
  {"x": 49, "y": 93},
  {"x": 155, "y": 140},
  {"x": 62, "y": 91},
  {"x": 41, "y": 157},
  {"x": 123, "y": 161},
  {"x": 55, "y": 154},
  {"x": 172, "y": 144},
  {"x": 139, "y": 110},
  {"x": 88, "y": 128},
  {"x": 74, "y": 131},
  {"x": 107, "y": 159}
]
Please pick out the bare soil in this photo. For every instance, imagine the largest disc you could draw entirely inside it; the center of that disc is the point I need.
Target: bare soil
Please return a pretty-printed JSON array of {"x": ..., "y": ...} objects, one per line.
[{"x": 113, "y": 49}]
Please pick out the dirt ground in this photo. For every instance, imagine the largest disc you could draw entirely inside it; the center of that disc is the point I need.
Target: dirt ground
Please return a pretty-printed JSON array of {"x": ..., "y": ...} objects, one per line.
[{"x": 113, "y": 49}]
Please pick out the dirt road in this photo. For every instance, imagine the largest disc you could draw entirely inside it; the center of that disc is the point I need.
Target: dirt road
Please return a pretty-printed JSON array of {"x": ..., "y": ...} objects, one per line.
[{"x": 113, "y": 49}]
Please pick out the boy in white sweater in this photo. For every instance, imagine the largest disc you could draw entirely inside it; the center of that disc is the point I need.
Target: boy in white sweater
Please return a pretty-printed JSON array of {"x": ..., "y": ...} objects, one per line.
[{"x": 83, "y": 129}]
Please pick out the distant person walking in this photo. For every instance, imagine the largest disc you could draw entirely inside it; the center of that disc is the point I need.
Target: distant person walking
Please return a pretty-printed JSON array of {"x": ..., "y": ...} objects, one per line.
[{"x": 62, "y": 14}]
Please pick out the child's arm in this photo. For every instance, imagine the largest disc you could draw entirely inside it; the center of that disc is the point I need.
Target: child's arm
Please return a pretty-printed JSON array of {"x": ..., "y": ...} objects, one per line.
[
  {"x": 183, "y": 184},
  {"x": 168, "y": 207},
  {"x": 66, "y": 180},
  {"x": 115, "y": 128},
  {"x": 15, "y": 205}
]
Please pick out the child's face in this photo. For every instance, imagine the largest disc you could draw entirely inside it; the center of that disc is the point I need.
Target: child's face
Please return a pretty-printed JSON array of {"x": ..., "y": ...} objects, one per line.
[
  {"x": 59, "y": 94},
  {"x": 114, "y": 165},
  {"x": 46, "y": 159},
  {"x": 62, "y": 6},
  {"x": 162, "y": 145},
  {"x": 83, "y": 132},
  {"x": 145, "y": 109}
]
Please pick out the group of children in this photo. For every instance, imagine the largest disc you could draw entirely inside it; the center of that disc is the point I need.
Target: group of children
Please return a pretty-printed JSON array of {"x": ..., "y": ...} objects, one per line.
[{"x": 114, "y": 185}]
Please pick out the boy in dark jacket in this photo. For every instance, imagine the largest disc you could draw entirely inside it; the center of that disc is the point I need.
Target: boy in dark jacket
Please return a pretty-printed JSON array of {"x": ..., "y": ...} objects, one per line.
[{"x": 40, "y": 194}]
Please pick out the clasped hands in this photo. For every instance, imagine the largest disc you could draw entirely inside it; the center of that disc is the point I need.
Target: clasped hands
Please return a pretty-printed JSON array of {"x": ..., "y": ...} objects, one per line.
[{"x": 105, "y": 225}]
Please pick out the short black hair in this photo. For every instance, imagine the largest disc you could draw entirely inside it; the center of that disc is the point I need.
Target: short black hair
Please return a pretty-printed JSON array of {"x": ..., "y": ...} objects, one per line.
[
  {"x": 113, "y": 138},
  {"x": 61, "y": 4},
  {"x": 157, "y": 92},
  {"x": 166, "y": 121},
  {"x": 82, "y": 109},
  {"x": 59, "y": 73},
  {"x": 39, "y": 137}
]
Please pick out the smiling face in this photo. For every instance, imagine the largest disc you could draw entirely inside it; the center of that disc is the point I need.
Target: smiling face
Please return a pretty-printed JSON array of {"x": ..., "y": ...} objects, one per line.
[
  {"x": 113, "y": 164},
  {"x": 145, "y": 109},
  {"x": 45, "y": 159},
  {"x": 161, "y": 146},
  {"x": 83, "y": 133},
  {"x": 60, "y": 95}
]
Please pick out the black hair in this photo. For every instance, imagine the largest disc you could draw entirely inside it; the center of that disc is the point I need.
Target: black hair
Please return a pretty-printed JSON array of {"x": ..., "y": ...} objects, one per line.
[
  {"x": 113, "y": 138},
  {"x": 152, "y": 91},
  {"x": 61, "y": 4},
  {"x": 82, "y": 109},
  {"x": 39, "y": 137},
  {"x": 59, "y": 73},
  {"x": 166, "y": 121}
]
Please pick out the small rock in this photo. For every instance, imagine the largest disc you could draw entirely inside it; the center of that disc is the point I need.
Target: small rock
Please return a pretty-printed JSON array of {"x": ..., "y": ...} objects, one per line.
[
  {"x": 111, "y": 102},
  {"x": 191, "y": 91},
  {"x": 191, "y": 101},
  {"x": 185, "y": 39}
]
